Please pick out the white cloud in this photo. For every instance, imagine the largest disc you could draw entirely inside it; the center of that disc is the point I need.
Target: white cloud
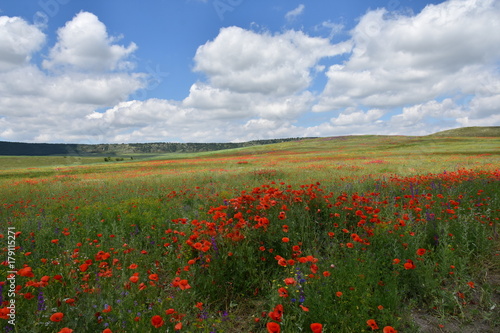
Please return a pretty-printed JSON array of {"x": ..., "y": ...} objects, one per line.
[
  {"x": 403, "y": 74},
  {"x": 403, "y": 60},
  {"x": 83, "y": 44},
  {"x": 294, "y": 13},
  {"x": 244, "y": 61},
  {"x": 357, "y": 117},
  {"x": 18, "y": 41}
]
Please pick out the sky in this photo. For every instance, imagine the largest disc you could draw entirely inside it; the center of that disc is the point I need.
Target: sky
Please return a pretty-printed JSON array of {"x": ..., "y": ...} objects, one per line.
[{"x": 127, "y": 71}]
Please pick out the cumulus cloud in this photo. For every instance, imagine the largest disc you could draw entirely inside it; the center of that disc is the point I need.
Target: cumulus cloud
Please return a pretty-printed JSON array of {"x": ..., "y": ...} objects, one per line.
[
  {"x": 245, "y": 61},
  {"x": 18, "y": 41},
  {"x": 399, "y": 60},
  {"x": 84, "y": 44},
  {"x": 399, "y": 74}
]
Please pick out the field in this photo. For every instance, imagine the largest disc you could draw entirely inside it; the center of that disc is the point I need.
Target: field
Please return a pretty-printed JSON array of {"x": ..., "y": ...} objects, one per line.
[{"x": 341, "y": 234}]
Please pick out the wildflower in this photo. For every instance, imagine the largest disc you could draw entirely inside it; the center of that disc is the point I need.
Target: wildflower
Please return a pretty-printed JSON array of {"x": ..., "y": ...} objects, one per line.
[
  {"x": 396, "y": 261},
  {"x": 134, "y": 279},
  {"x": 316, "y": 327},
  {"x": 285, "y": 239},
  {"x": 326, "y": 273},
  {"x": 339, "y": 294},
  {"x": 153, "y": 277},
  {"x": 283, "y": 292},
  {"x": 273, "y": 327},
  {"x": 471, "y": 284},
  {"x": 56, "y": 317},
  {"x": 290, "y": 281},
  {"x": 409, "y": 264},
  {"x": 372, "y": 323},
  {"x": 67, "y": 330},
  {"x": 421, "y": 252},
  {"x": 178, "y": 326},
  {"x": 107, "y": 330},
  {"x": 157, "y": 321},
  {"x": 26, "y": 272},
  {"x": 133, "y": 266},
  {"x": 389, "y": 329},
  {"x": 306, "y": 309}
]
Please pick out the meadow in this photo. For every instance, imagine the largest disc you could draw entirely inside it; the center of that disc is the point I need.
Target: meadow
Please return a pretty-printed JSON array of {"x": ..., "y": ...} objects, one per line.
[{"x": 342, "y": 234}]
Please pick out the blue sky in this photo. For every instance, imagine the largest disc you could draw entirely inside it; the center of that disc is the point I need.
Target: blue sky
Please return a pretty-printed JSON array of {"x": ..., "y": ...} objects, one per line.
[{"x": 237, "y": 70}]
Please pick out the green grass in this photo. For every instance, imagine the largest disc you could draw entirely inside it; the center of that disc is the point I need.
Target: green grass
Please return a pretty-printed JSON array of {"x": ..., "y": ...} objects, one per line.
[{"x": 348, "y": 208}]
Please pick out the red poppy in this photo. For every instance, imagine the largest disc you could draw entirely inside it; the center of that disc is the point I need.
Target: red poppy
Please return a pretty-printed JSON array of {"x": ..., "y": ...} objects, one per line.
[
  {"x": 316, "y": 327},
  {"x": 409, "y": 264},
  {"x": 290, "y": 281},
  {"x": 273, "y": 327},
  {"x": 372, "y": 323},
  {"x": 389, "y": 329},
  {"x": 157, "y": 321},
  {"x": 421, "y": 252},
  {"x": 58, "y": 316},
  {"x": 107, "y": 330},
  {"x": 65, "y": 330},
  {"x": 283, "y": 292},
  {"x": 178, "y": 326}
]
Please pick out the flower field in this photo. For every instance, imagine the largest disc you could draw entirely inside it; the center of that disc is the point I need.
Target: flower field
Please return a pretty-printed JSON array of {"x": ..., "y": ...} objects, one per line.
[{"x": 354, "y": 234}]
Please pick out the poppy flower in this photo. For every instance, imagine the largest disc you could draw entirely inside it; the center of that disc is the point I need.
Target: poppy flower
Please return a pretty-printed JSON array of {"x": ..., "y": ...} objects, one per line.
[
  {"x": 107, "y": 330},
  {"x": 372, "y": 323},
  {"x": 283, "y": 292},
  {"x": 421, "y": 252},
  {"x": 409, "y": 264},
  {"x": 390, "y": 329},
  {"x": 316, "y": 327},
  {"x": 306, "y": 309},
  {"x": 339, "y": 294},
  {"x": 290, "y": 281},
  {"x": 134, "y": 279},
  {"x": 65, "y": 330},
  {"x": 273, "y": 327},
  {"x": 471, "y": 284},
  {"x": 157, "y": 321},
  {"x": 178, "y": 326},
  {"x": 56, "y": 317}
]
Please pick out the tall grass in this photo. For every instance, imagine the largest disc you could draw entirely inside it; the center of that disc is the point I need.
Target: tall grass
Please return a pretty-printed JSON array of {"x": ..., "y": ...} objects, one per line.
[{"x": 332, "y": 236}]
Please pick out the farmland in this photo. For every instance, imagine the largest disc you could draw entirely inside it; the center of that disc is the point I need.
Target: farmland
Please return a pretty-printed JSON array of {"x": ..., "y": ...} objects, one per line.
[{"x": 341, "y": 234}]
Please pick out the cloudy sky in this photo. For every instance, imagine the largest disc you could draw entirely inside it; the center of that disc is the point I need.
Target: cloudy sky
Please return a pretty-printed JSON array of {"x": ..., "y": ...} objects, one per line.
[{"x": 93, "y": 71}]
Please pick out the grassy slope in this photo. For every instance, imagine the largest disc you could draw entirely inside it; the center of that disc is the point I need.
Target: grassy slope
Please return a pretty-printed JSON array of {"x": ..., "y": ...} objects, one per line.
[{"x": 483, "y": 131}]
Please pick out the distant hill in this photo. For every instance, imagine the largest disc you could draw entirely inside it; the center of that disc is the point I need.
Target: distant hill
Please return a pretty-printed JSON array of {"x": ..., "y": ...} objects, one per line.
[
  {"x": 483, "y": 131},
  {"x": 46, "y": 149}
]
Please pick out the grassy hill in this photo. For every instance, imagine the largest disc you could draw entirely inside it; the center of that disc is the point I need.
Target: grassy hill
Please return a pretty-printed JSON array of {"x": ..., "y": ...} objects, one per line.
[{"x": 482, "y": 131}]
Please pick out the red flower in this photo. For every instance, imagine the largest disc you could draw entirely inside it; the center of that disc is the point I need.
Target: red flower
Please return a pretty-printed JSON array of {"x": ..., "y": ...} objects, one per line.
[
  {"x": 157, "y": 321},
  {"x": 65, "y": 330},
  {"x": 283, "y": 292},
  {"x": 372, "y": 323},
  {"x": 389, "y": 329},
  {"x": 421, "y": 252},
  {"x": 273, "y": 327},
  {"x": 58, "y": 316},
  {"x": 316, "y": 327},
  {"x": 409, "y": 264}
]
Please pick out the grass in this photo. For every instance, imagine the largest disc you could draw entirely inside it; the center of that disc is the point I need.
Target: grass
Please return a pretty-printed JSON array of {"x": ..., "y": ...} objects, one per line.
[{"x": 350, "y": 234}]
